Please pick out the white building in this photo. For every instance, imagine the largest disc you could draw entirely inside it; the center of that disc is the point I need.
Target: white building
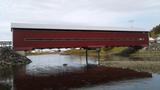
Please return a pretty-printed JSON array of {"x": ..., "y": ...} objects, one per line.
[
  {"x": 151, "y": 40},
  {"x": 158, "y": 39}
]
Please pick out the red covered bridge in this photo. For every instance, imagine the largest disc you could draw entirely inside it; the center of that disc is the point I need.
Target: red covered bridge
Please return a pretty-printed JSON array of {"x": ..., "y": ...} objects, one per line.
[{"x": 31, "y": 36}]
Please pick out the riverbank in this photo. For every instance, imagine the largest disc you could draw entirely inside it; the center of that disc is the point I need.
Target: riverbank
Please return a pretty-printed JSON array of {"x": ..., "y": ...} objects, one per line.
[
  {"x": 104, "y": 52},
  {"x": 150, "y": 51},
  {"x": 146, "y": 53},
  {"x": 144, "y": 66},
  {"x": 91, "y": 75},
  {"x": 9, "y": 58},
  {"x": 146, "y": 60}
]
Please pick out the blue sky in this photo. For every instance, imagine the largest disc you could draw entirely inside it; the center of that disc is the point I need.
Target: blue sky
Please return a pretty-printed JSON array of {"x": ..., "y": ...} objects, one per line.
[{"x": 117, "y": 13}]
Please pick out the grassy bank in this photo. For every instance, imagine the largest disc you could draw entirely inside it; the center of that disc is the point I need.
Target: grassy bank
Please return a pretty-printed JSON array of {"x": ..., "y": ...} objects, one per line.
[
  {"x": 121, "y": 51},
  {"x": 93, "y": 53},
  {"x": 140, "y": 60},
  {"x": 146, "y": 53},
  {"x": 38, "y": 53},
  {"x": 146, "y": 66}
]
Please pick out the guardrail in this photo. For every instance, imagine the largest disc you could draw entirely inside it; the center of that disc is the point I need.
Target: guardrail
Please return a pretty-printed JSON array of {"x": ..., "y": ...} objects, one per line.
[{"x": 5, "y": 43}]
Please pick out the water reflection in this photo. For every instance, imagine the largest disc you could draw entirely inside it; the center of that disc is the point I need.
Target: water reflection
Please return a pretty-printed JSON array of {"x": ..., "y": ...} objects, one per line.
[
  {"x": 6, "y": 79},
  {"x": 46, "y": 65},
  {"x": 137, "y": 84},
  {"x": 52, "y": 64}
]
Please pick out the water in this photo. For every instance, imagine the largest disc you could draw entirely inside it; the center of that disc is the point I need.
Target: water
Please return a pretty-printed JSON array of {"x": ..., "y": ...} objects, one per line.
[
  {"x": 51, "y": 64},
  {"x": 136, "y": 84},
  {"x": 46, "y": 65}
]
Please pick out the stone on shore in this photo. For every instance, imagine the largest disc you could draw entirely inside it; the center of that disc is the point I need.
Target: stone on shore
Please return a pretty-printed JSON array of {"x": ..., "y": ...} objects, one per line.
[{"x": 9, "y": 58}]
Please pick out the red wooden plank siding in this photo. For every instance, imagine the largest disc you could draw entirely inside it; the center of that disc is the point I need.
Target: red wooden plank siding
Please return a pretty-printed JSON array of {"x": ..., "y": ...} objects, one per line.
[{"x": 28, "y": 39}]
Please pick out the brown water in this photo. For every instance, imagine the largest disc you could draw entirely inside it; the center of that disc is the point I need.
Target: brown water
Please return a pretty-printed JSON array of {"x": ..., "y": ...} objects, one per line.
[{"x": 46, "y": 65}]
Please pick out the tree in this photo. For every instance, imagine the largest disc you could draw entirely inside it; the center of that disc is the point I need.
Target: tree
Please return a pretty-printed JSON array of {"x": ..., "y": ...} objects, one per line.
[{"x": 155, "y": 31}]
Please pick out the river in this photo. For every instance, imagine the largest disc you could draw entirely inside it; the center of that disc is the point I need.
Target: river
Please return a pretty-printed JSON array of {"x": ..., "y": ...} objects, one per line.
[
  {"x": 46, "y": 65},
  {"x": 52, "y": 64}
]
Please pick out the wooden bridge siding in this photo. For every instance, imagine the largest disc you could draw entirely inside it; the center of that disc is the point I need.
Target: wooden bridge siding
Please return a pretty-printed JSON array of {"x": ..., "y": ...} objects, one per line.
[{"x": 20, "y": 36}]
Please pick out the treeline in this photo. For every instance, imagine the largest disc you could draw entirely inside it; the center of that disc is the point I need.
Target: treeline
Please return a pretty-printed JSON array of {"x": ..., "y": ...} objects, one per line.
[{"x": 155, "y": 31}]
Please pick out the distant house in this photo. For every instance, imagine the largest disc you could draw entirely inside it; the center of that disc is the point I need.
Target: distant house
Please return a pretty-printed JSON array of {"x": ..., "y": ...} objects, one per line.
[
  {"x": 158, "y": 39},
  {"x": 5, "y": 43},
  {"x": 152, "y": 40}
]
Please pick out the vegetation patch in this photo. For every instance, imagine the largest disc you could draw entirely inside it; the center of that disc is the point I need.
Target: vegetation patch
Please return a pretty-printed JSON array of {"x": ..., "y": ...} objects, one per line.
[{"x": 93, "y": 53}]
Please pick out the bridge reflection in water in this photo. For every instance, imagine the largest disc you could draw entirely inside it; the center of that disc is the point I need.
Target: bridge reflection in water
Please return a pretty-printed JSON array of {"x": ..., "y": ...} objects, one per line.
[{"x": 45, "y": 68}]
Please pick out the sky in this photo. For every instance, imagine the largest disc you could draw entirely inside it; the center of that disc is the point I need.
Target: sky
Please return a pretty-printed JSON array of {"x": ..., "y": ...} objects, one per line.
[{"x": 113, "y": 13}]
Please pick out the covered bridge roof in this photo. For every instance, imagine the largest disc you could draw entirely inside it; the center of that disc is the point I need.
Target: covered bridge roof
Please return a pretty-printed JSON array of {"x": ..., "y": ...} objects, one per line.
[{"x": 73, "y": 27}]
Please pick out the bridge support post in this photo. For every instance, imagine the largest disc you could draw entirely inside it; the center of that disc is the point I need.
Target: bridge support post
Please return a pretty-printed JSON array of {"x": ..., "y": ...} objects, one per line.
[
  {"x": 98, "y": 55},
  {"x": 87, "y": 57}
]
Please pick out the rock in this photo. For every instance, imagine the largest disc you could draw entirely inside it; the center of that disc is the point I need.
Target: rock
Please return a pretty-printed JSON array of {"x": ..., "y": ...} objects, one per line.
[{"x": 8, "y": 57}]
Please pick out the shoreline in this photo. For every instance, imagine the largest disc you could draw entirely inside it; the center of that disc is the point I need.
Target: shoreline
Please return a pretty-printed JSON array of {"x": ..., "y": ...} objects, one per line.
[
  {"x": 9, "y": 58},
  {"x": 144, "y": 66},
  {"x": 121, "y": 51}
]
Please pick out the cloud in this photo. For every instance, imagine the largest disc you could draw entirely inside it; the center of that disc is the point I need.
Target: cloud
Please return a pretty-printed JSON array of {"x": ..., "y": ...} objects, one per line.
[
  {"x": 5, "y": 32},
  {"x": 145, "y": 13},
  {"x": 80, "y": 11}
]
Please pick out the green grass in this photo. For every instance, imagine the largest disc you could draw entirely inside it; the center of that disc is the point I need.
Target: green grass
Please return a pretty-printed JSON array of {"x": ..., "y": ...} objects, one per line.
[
  {"x": 118, "y": 49},
  {"x": 82, "y": 52},
  {"x": 104, "y": 51},
  {"x": 145, "y": 53}
]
